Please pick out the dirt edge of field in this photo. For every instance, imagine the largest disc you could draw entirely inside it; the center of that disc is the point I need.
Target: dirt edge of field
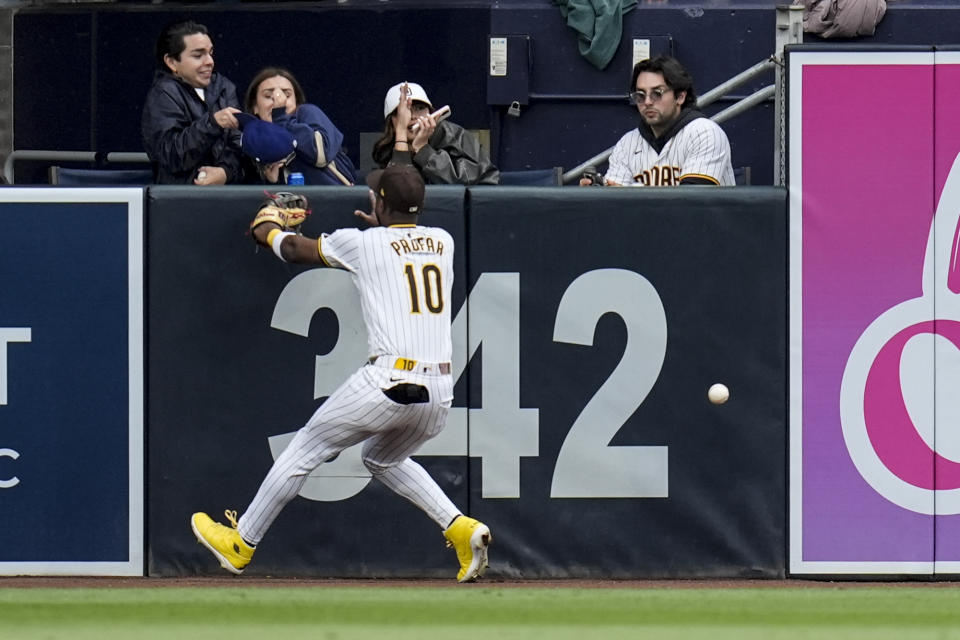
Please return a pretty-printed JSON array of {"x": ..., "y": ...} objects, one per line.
[{"x": 22, "y": 582}]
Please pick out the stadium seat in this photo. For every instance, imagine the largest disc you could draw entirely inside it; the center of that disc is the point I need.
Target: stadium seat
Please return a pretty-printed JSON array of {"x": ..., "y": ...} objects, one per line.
[
  {"x": 68, "y": 177},
  {"x": 741, "y": 176},
  {"x": 552, "y": 177}
]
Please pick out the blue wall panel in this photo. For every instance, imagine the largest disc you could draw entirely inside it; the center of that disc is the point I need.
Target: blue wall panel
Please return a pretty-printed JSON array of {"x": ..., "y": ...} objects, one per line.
[{"x": 70, "y": 367}]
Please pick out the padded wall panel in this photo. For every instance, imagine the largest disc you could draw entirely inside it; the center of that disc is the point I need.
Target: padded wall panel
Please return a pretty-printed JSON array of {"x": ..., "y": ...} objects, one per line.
[
  {"x": 632, "y": 302},
  {"x": 225, "y": 376}
]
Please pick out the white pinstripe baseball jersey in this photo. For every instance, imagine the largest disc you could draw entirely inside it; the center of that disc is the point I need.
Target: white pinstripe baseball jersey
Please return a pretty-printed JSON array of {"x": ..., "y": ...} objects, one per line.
[
  {"x": 699, "y": 149},
  {"x": 405, "y": 276}
]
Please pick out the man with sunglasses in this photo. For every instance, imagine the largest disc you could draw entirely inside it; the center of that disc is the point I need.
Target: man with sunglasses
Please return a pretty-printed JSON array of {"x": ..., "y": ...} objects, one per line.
[{"x": 674, "y": 143}]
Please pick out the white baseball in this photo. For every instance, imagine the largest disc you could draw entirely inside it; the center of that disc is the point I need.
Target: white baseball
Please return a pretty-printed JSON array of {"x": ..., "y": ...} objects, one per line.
[
  {"x": 202, "y": 175},
  {"x": 718, "y": 393}
]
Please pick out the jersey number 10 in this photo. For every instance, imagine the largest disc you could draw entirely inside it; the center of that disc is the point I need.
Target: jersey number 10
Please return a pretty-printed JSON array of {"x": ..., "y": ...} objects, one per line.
[{"x": 431, "y": 281}]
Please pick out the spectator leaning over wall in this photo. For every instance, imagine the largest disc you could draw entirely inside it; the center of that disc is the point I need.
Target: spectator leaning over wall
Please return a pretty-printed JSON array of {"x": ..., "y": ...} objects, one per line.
[
  {"x": 189, "y": 127},
  {"x": 673, "y": 143},
  {"x": 274, "y": 95},
  {"x": 443, "y": 152}
]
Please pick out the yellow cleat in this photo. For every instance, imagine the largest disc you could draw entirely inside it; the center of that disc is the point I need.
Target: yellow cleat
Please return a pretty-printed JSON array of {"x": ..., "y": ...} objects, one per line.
[
  {"x": 470, "y": 538},
  {"x": 224, "y": 542}
]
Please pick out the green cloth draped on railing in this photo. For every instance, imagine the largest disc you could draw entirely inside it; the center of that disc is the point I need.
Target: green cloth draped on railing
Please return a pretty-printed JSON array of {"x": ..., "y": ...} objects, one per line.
[{"x": 599, "y": 25}]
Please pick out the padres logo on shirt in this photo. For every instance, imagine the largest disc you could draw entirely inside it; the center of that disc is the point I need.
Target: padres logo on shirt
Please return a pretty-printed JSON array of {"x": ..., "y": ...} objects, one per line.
[{"x": 659, "y": 176}]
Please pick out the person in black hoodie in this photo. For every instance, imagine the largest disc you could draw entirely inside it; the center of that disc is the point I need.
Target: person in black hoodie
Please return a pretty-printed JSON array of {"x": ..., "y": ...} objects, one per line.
[
  {"x": 674, "y": 144},
  {"x": 189, "y": 127}
]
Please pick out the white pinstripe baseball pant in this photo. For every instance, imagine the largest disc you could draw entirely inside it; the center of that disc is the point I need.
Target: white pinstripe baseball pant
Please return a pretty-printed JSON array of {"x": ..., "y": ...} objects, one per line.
[{"x": 358, "y": 411}]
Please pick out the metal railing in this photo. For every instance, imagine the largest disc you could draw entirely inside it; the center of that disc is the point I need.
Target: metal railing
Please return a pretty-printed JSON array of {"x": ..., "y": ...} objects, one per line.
[
  {"x": 789, "y": 30},
  {"x": 69, "y": 156}
]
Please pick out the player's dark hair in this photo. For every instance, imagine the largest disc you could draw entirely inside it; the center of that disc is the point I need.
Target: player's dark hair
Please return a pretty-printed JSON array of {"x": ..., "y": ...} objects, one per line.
[
  {"x": 171, "y": 43},
  {"x": 674, "y": 74},
  {"x": 250, "y": 99}
]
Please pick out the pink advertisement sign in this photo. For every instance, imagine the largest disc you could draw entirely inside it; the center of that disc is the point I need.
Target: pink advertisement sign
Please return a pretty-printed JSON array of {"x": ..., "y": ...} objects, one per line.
[{"x": 874, "y": 178}]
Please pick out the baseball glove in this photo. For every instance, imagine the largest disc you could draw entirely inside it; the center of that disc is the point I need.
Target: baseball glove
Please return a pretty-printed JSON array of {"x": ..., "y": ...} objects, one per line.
[{"x": 283, "y": 208}]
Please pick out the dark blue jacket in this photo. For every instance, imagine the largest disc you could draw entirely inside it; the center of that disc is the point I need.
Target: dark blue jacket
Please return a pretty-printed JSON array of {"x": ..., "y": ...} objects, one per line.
[
  {"x": 320, "y": 156},
  {"x": 180, "y": 134}
]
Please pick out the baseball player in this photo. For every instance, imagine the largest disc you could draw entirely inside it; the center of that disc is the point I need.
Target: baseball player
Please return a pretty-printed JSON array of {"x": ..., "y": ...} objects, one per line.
[
  {"x": 400, "y": 398},
  {"x": 674, "y": 143}
]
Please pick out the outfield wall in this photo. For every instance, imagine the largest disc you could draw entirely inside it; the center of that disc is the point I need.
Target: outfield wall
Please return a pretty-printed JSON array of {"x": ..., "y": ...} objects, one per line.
[
  {"x": 71, "y": 383},
  {"x": 874, "y": 367},
  {"x": 589, "y": 324}
]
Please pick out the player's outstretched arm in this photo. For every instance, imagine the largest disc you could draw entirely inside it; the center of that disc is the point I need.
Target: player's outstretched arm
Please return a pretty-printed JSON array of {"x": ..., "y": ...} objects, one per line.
[
  {"x": 288, "y": 246},
  {"x": 271, "y": 226}
]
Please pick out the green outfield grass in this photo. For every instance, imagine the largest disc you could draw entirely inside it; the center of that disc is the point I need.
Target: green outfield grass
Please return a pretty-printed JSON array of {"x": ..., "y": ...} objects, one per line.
[{"x": 480, "y": 612}]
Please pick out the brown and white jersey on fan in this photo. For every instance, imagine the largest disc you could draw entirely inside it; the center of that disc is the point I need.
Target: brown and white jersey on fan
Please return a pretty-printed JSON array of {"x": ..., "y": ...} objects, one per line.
[
  {"x": 698, "y": 150},
  {"x": 405, "y": 275}
]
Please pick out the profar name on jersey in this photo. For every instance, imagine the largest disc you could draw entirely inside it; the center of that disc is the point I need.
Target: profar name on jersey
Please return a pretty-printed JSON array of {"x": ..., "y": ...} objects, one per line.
[{"x": 418, "y": 244}]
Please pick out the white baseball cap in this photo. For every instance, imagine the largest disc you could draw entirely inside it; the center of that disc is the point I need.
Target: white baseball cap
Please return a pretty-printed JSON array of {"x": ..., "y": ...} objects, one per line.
[{"x": 392, "y": 101}]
